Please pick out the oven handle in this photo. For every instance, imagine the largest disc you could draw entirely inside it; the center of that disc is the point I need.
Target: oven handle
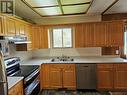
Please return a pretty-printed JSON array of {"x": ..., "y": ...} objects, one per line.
[{"x": 32, "y": 75}]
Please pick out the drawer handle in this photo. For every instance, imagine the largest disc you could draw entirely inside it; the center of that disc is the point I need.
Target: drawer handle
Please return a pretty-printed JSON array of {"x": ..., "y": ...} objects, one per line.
[{"x": 85, "y": 66}]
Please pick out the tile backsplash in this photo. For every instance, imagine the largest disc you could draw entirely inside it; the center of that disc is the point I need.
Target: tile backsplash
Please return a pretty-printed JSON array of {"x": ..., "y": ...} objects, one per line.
[
  {"x": 24, "y": 55},
  {"x": 91, "y": 51}
]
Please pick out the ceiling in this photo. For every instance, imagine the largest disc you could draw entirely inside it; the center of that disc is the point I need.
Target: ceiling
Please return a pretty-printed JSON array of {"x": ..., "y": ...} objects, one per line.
[
  {"x": 32, "y": 10},
  {"x": 58, "y": 7}
]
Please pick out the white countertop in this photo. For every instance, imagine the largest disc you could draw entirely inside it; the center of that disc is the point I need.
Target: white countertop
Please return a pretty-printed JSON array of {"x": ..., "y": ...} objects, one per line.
[
  {"x": 13, "y": 81},
  {"x": 100, "y": 59}
]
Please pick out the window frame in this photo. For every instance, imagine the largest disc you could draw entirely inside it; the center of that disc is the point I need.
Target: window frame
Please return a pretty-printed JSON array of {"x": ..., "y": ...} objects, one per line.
[{"x": 52, "y": 41}]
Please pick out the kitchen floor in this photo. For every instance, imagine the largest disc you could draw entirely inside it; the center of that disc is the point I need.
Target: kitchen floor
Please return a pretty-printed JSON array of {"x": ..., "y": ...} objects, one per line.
[{"x": 63, "y": 92}]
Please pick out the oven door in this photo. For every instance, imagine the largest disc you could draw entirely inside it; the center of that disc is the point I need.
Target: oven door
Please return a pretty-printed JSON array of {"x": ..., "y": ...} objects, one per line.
[{"x": 33, "y": 88}]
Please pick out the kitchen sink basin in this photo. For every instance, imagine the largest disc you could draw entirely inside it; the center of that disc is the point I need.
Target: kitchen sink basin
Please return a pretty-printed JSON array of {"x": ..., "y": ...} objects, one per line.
[{"x": 62, "y": 59}]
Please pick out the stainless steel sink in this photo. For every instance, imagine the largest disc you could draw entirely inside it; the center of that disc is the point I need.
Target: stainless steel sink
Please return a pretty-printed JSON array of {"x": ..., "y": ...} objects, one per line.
[{"x": 62, "y": 58}]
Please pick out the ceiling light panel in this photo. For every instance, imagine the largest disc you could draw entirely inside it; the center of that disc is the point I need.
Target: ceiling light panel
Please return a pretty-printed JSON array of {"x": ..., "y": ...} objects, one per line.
[
  {"x": 75, "y": 9},
  {"x": 65, "y": 2},
  {"x": 41, "y": 3},
  {"x": 49, "y": 11}
]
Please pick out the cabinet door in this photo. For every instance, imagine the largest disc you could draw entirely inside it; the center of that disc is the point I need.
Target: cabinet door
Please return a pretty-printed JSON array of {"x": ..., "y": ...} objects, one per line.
[
  {"x": 117, "y": 32},
  {"x": 44, "y": 76},
  {"x": 84, "y": 35},
  {"x": 120, "y": 79},
  {"x": 55, "y": 76},
  {"x": 86, "y": 76},
  {"x": 105, "y": 76},
  {"x": 1, "y": 27},
  {"x": 69, "y": 77},
  {"x": 100, "y": 34},
  {"x": 10, "y": 25},
  {"x": 22, "y": 29}
]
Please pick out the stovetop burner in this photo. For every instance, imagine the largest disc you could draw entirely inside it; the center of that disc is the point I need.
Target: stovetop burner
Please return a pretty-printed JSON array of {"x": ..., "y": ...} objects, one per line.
[{"x": 26, "y": 70}]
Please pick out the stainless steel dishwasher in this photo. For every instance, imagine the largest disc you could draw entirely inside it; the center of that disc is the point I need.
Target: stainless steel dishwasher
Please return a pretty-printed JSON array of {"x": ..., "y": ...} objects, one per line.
[{"x": 86, "y": 76}]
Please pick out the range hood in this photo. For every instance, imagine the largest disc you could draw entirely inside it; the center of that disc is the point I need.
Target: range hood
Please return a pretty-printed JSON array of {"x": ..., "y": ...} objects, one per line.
[{"x": 17, "y": 39}]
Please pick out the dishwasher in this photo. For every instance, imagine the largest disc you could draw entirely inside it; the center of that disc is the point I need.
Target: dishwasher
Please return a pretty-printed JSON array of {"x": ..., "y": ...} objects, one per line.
[{"x": 86, "y": 76}]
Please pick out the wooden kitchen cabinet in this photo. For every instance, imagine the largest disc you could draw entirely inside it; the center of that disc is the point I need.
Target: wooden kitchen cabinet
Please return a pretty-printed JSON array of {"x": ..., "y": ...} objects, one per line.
[
  {"x": 84, "y": 35},
  {"x": 1, "y": 26},
  {"x": 105, "y": 76},
  {"x": 117, "y": 33},
  {"x": 99, "y": 34},
  {"x": 120, "y": 76},
  {"x": 39, "y": 37},
  {"x": 69, "y": 76},
  {"x": 54, "y": 76},
  {"x": 10, "y": 27},
  {"x": 17, "y": 89}
]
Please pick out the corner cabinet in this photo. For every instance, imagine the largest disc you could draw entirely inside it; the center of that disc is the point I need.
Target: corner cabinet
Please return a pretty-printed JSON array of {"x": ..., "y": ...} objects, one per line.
[
  {"x": 17, "y": 89},
  {"x": 55, "y": 76}
]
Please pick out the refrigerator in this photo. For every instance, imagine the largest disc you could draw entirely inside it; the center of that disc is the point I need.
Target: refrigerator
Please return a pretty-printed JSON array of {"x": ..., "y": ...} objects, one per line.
[{"x": 3, "y": 77}]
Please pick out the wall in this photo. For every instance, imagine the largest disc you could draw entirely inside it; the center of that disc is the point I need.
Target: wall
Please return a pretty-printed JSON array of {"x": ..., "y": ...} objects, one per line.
[
  {"x": 92, "y": 51},
  {"x": 24, "y": 55},
  {"x": 67, "y": 19}
]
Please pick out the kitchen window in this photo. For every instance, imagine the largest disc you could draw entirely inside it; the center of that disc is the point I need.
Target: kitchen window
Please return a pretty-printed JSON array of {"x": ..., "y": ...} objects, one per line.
[
  {"x": 125, "y": 41},
  {"x": 61, "y": 37}
]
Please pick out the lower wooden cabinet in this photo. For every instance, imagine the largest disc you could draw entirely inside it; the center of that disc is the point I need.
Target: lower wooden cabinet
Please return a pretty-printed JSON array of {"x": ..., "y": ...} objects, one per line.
[
  {"x": 112, "y": 76},
  {"x": 105, "y": 76},
  {"x": 54, "y": 76},
  {"x": 120, "y": 76},
  {"x": 17, "y": 89}
]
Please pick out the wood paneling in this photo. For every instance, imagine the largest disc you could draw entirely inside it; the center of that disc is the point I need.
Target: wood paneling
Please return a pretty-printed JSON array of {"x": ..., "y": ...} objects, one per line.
[
  {"x": 110, "y": 50},
  {"x": 118, "y": 16}
]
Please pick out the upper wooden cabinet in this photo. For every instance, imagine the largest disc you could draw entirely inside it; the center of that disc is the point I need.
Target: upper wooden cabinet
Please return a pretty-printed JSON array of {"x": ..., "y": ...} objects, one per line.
[
  {"x": 99, "y": 34},
  {"x": 10, "y": 27},
  {"x": 2, "y": 33},
  {"x": 39, "y": 37}
]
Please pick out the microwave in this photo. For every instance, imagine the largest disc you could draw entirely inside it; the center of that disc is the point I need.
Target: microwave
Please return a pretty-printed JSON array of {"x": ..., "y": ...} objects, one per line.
[{"x": 4, "y": 47}]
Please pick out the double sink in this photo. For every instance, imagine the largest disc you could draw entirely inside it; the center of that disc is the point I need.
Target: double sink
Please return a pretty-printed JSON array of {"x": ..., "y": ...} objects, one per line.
[{"x": 62, "y": 59}]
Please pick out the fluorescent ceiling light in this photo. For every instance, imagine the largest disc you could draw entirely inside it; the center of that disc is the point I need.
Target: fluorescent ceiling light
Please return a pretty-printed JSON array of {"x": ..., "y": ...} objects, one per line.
[
  {"x": 39, "y": 3},
  {"x": 49, "y": 11},
  {"x": 75, "y": 9}
]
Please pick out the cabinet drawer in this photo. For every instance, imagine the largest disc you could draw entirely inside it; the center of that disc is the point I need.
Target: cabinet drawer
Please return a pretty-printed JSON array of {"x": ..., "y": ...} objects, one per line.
[
  {"x": 121, "y": 66},
  {"x": 108, "y": 66}
]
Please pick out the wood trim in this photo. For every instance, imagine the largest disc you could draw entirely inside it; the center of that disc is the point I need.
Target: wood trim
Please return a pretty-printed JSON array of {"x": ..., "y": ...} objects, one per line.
[
  {"x": 60, "y": 5},
  {"x": 90, "y": 5},
  {"x": 109, "y": 7}
]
